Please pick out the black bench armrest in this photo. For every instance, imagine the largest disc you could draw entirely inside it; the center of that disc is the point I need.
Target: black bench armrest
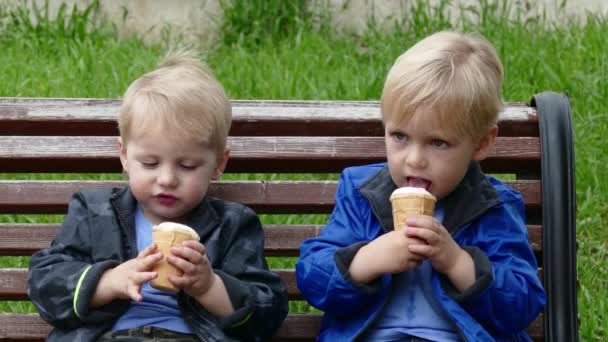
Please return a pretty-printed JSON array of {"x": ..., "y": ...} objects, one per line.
[{"x": 559, "y": 215}]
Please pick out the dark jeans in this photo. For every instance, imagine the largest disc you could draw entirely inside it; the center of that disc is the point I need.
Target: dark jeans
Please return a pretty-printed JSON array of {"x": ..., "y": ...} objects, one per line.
[{"x": 146, "y": 334}]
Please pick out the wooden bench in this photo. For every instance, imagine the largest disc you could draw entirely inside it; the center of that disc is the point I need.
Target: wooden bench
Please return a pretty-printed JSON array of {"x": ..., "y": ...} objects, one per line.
[{"x": 79, "y": 135}]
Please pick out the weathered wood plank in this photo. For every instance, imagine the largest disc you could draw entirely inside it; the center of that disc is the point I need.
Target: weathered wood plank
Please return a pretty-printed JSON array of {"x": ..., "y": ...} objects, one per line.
[
  {"x": 13, "y": 283},
  {"x": 37, "y": 116},
  {"x": 23, "y": 239},
  {"x": 248, "y": 154},
  {"x": 297, "y": 327},
  {"x": 263, "y": 196}
]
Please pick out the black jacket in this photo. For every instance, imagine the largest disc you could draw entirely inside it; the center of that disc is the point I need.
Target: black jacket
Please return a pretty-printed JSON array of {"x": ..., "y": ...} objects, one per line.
[{"x": 99, "y": 233}]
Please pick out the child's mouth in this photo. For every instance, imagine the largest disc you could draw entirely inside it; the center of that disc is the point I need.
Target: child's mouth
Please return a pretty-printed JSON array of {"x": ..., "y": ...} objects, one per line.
[
  {"x": 166, "y": 200},
  {"x": 418, "y": 182}
]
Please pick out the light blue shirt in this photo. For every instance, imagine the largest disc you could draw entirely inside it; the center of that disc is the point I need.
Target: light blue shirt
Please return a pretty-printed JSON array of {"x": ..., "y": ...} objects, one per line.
[
  {"x": 411, "y": 309},
  {"x": 158, "y": 308}
]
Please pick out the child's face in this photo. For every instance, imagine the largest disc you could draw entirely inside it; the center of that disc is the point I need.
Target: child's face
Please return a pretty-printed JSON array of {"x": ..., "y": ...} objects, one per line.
[
  {"x": 169, "y": 179},
  {"x": 421, "y": 154}
]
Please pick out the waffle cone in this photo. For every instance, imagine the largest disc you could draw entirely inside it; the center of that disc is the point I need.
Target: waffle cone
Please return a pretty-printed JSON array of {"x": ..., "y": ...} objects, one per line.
[
  {"x": 406, "y": 205},
  {"x": 165, "y": 239}
]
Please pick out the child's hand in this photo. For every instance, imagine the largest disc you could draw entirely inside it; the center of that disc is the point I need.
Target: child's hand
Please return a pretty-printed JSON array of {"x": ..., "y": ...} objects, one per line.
[
  {"x": 388, "y": 253},
  {"x": 125, "y": 280},
  {"x": 192, "y": 259},
  {"x": 443, "y": 252}
]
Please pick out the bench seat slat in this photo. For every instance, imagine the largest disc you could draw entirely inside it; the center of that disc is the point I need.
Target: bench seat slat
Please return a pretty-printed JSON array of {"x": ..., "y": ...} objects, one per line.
[
  {"x": 248, "y": 154},
  {"x": 262, "y": 196},
  {"x": 29, "y": 326},
  {"x": 23, "y": 239},
  {"x": 301, "y": 327},
  {"x": 13, "y": 283},
  {"x": 23, "y": 116}
]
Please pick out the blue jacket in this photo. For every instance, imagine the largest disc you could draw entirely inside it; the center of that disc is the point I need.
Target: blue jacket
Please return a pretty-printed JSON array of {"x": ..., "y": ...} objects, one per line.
[{"x": 484, "y": 216}]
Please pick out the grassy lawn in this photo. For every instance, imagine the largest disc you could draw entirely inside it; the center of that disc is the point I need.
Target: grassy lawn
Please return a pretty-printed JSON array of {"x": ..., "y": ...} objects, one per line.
[{"x": 298, "y": 58}]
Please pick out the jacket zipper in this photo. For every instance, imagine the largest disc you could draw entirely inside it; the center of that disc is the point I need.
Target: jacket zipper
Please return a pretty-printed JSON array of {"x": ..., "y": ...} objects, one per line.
[
  {"x": 376, "y": 214},
  {"x": 131, "y": 244}
]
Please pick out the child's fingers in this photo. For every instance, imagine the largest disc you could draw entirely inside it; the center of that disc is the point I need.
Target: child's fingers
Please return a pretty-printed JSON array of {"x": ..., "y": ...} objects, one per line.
[
  {"x": 182, "y": 264},
  {"x": 142, "y": 277},
  {"x": 148, "y": 261},
  {"x": 412, "y": 264},
  {"x": 192, "y": 255},
  {"x": 429, "y": 236},
  {"x": 423, "y": 250},
  {"x": 147, "y": 251},
  {"x": 179, "y": 282},
  {"x": 412, "y": 240},
  {"x": 134, "y": 286},
  {"x": 421, "y": 221},
  {"x": 195, "y": 245},
  {"x": 416, "y": 258},
  {"x": 133, "y": 293}
]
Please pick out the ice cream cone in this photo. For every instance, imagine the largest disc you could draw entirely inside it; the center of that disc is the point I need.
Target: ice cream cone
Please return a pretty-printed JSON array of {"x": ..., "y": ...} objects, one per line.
[
  {"x": 167, "y": 235},
  {"x": 408, "y": 201}
]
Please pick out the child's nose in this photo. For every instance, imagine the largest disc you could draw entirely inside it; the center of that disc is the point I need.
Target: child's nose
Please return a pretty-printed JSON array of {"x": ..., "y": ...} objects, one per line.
[
  {"x": 415, "y": 158},
  {"x": 167, "y": 177}
]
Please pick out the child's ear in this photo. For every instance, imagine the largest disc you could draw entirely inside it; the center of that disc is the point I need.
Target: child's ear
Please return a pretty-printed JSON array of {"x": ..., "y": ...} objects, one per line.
[
  {"x": 221, "y": 162},
  {"x": 485, "y": 144},
  {"x": 123, "y": 154}
]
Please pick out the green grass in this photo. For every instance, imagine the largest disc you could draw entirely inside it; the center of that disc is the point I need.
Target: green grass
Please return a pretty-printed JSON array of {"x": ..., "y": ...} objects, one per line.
[
  {"x": 66, "y": 57},
  {"x": 308, "y": 61}
]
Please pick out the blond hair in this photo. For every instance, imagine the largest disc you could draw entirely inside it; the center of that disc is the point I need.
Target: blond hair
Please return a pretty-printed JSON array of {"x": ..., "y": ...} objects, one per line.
[
  {"x": 455, "y": 76},
  {"x": 180, "y": 96}
]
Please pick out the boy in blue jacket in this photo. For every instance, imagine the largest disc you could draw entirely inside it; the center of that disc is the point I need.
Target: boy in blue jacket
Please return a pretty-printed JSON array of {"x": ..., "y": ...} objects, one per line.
[
  {"x": 92, "y": 283},
  {"x": 465, "y": 274}
]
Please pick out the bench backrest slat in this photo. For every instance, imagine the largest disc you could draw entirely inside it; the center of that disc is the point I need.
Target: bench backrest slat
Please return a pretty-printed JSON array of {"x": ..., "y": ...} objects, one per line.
[
  {"x": 263, "y": 196},
  {"x": 280, "y": 239},
  {"x": 30, "y": 116},
  {"x": 248, "y": 154}
]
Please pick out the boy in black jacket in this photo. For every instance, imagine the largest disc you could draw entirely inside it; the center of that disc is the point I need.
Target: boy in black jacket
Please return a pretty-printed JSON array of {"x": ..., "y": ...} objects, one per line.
[{"x": 93, "y": 282}]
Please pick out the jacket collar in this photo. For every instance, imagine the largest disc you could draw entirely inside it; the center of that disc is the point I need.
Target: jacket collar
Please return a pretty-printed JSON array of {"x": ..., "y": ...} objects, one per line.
[
  {"x": 204, "y": 218},
  {"x": 471, "y": 198}
]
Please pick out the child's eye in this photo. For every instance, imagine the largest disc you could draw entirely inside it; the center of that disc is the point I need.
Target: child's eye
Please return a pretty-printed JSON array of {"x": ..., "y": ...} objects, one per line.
[
  {"x": 398, "y": 136},
  {"x": 149, "y": 165},
  {"x": 439, "y": 143},
  {"x": 188, "y": 166}
]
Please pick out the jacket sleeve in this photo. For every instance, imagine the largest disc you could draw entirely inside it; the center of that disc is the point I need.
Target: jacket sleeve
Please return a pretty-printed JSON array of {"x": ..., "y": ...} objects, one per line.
[
  {"x": 258, "y": 295},
  {"x": 62, "y": 278},
  {"x": 322, "y": 270},
  {"x": 514, "y": 284}
]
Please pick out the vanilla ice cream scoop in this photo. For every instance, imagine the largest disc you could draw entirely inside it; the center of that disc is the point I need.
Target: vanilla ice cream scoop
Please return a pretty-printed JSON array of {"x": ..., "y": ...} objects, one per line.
[{"x": 176, "y": 227}]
